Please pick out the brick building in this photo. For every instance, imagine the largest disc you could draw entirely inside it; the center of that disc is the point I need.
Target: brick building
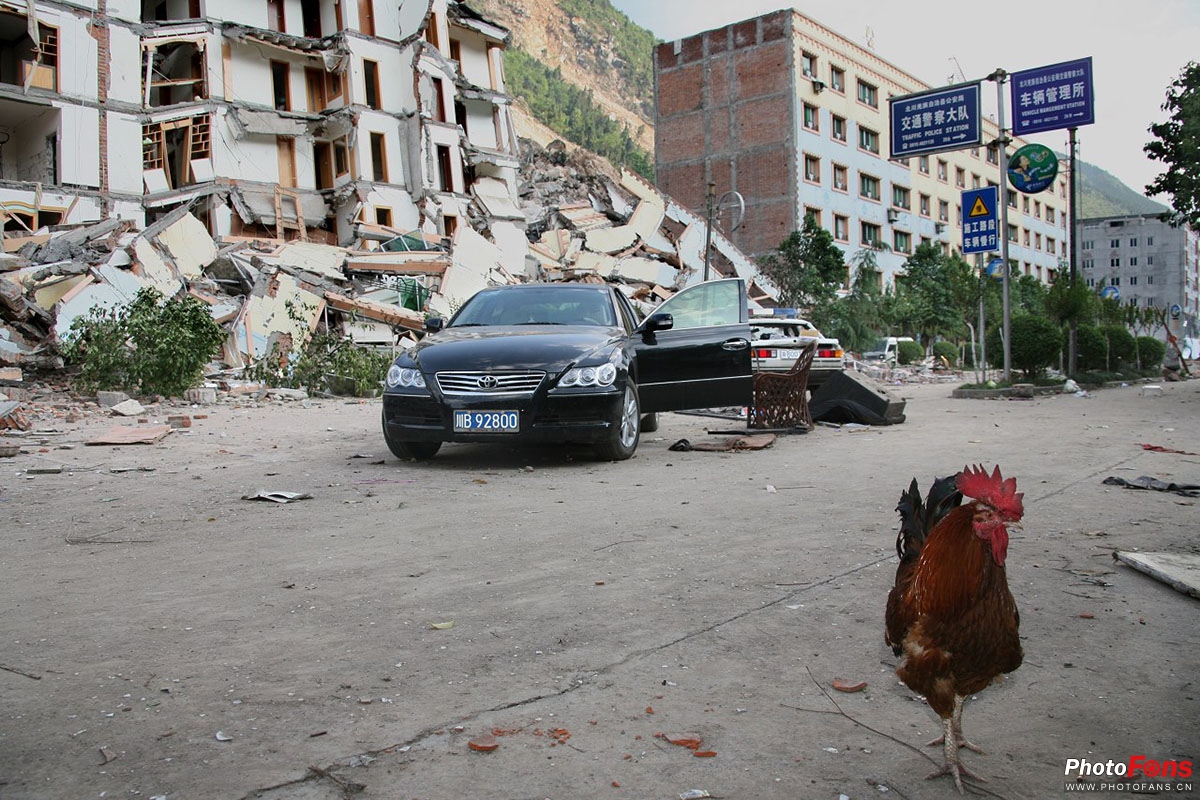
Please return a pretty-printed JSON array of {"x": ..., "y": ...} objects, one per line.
[
  {"x": 794, "y": 117},
  {"x": 285, "y": 118}
]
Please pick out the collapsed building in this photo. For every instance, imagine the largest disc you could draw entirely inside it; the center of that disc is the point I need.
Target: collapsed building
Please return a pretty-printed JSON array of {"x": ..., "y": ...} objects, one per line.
[{"x": 355, "y": 160}]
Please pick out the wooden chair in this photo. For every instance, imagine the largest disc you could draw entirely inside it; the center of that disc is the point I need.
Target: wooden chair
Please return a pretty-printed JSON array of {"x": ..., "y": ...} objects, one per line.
[{"x": 781, "y": 398}]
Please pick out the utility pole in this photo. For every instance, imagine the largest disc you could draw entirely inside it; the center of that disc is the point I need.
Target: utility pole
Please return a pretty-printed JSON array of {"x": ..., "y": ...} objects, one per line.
[
  {"x": 711, "y": 196},
  {"x": 1073, "y": 323},
  {"x": 1001, "y": 77}
]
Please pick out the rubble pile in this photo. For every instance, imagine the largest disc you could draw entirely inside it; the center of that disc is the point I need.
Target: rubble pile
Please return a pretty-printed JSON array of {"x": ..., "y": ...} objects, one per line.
[{"x": 584, "y": 221}]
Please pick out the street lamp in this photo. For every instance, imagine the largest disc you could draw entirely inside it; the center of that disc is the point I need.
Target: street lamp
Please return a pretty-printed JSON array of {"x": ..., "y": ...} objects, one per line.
[{"x": 714, "y": 206}]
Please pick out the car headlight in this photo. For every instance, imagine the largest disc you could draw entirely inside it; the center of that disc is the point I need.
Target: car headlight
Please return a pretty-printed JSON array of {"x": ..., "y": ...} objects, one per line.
[
  {"x": 602, "y": 375},
  {"x": 404, "y": 377}
]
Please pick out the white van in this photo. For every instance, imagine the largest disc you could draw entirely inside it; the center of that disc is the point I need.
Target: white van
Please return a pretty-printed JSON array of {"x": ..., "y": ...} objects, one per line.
[{"x": 886, "y": 349}]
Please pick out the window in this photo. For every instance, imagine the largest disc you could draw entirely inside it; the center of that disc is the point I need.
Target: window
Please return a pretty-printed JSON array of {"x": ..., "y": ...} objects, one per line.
[
  {"x": 808, "y": 63},
  {"x": 868, "y": 186},
  {"x": 812, "y": 169},
  {"x": 838, "y": 125},
  {"x": 941, "y": 170},
  {"x": 383, "y": 216},
  {"x": 815, "y": 213},
  {"x": 1051, "y": 245},
  {"x": 1150, "y": 261},
  {"x": 1026, "y": 237},
  {"x": 341, "y": 157},
  {"x": 924, "y": 201},
  {"x": 1149, "y": 241},
  {"x": 1114, "y": 242},
  {"x": 839, "y": 178},
  {"x": 1133, "y": 242},
  {"x": 1088, "y": 263},
  {"x": 923, "y": 165},
  {"x": 1025, "y": 204},
  {"x": 868, "y": 139},
  {"x": 1050, "y": 215},
  {"x": 870, "y": 234},
  {"x": 993, "y": 154},
  {"x": 1037, "y": 209},
  {"x": 975, "y": 181},
  {"x": 944, "y": 210},
  {"x": 1114, "y": 262},
  {"x": 810, "y": 117},
  {"x": 901, "y": 242},
  {"x": 445, "y": 168},
  {"x": 1115, "y": 280},
  {"x": 901, "y": 197},
  {"x": 366, "y": 17},
  {"x": 1037, "y": 241},
  {"x": 371, "y": 83},
  {"x": 379, "y": 170},
  {"x": 1133, "y": 280},
  {"x": 837, "y": 79},
  {"x": 868, "y": 94},
  {"x": 1150, "y": 279},
  {"x": 960, "y": 177},
  {"x": 1012, "y": 233},
  {"x": 280, "y": 86},
  {"x": 1087, "y": 244},
  {"x": 1133, "y": 261},
  {"x": 841, "y": 228}
]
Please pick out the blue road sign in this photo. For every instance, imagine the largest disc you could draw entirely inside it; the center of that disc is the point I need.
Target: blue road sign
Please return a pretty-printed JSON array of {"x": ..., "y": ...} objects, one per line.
[
  {"x": 980, "y": 220},
  {"x": 1053, "y": 97},
  {"x": 934, "y": 121}
]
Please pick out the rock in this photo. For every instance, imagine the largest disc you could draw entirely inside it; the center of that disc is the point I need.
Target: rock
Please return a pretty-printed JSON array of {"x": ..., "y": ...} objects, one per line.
[{"x": 128, "y": 408}]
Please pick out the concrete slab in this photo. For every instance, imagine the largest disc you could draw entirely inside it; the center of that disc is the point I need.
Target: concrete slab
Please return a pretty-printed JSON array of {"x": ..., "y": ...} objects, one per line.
[{"x": 1180, "y": 571}]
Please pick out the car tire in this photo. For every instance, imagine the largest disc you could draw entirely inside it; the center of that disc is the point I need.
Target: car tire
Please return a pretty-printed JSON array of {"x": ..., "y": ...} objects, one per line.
[
  {"x": 624, "y": 433},
  {"x": 650, "y": 422},
  {"x": 410, "y": 451}
]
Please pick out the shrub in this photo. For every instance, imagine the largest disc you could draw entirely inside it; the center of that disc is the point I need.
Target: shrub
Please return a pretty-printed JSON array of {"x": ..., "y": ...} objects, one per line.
[
  {"x": 948, "y": 351},
  {"x": 1151, "y": 351},
  {"x": 1092, "y": 347},
  {"x": 1121, "y": 347},
  {"x": 1036, "y": 344},
  {"x": 148, "y": 347},
  {"x": 909, "y": 352}
]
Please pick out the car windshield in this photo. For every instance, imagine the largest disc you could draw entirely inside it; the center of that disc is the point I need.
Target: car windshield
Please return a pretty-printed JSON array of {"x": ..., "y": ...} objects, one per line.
[
  {"x": 542, "y": 305},
  {"x": 879, "y": 346}
]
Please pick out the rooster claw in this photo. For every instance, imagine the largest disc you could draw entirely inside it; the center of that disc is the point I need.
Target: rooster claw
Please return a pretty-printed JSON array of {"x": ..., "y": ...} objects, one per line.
[
  {"x": 957, "y": 769},
  {"x": 974, "y": 748}
]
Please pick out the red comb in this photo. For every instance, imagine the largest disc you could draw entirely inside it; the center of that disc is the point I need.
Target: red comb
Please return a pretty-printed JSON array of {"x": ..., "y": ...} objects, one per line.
[{"x": 993, "y": 489}]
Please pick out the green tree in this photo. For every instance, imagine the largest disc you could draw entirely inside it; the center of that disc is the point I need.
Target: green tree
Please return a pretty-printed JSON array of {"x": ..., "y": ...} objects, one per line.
[
  {"x": 856, "y": 318},
  {"x": 1176, "y": 144},
  {"x": 807, "y": 268},
  {"x": 928, "y": 293},
  {"x": 1036, "y": 343}
]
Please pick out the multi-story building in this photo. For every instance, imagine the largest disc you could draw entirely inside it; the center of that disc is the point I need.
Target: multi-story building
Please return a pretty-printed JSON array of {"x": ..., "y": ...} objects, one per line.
[
  {"x": 1141, "y": 258},
  {"x": 794, "y": 117},
  {"x": 284, "y": 118}
]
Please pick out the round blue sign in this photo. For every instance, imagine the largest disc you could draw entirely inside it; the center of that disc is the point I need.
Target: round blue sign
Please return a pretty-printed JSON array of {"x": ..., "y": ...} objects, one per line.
[
  {"x": 1032, "y": 168},
  {"x": 994, "y": 269},
  {"x": 1110, "y": 293}
]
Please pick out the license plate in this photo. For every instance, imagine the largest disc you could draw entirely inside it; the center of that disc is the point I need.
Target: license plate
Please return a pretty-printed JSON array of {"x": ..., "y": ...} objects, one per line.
[
  {"x": 792, "y": 354},
  {"x": 487, "y": 421}
]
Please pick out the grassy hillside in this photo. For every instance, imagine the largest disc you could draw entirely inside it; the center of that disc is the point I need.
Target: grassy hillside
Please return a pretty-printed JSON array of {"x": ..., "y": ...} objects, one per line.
[{"x": 1102, "y": 195}]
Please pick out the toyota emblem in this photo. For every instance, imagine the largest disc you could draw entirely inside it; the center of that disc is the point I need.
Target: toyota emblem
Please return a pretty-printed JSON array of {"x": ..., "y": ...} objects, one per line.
[{"x": 487, "y": 382}]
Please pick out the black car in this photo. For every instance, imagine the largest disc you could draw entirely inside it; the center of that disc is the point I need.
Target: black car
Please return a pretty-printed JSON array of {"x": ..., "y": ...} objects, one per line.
[{"x": 567, "y": 362}]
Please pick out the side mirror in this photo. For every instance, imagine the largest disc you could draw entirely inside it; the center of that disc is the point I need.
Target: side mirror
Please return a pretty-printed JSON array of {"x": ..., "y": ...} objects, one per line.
[
  {"x": 434, "y": 324},
  {"x": 658, "y": 322}
]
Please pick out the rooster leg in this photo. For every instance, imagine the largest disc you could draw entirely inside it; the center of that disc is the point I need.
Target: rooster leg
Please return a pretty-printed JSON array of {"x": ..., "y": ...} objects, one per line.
[
  {"x": 953, "y": 766},
  {"x": 958, "y": 734}
]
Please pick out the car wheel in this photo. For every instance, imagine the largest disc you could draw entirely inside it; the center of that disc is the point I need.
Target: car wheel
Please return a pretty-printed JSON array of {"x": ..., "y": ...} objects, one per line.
[
  {"x": 410, "y": 451},
  {"x": 649, "y": 422},
  {"x": 623, "y": 434}
]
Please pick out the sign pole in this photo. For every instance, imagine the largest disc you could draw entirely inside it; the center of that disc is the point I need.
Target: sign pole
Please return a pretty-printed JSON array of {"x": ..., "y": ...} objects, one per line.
[
  {"x": 1000, "y": 77},
  {"x": 982, "y": 327},
  {"x": 710, "y": 196},
  {"x": 1073, "y": 325}
]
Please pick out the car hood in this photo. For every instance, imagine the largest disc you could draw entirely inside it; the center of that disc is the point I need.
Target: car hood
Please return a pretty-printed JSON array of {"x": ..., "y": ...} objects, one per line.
[{"x": 542, "y": 347}]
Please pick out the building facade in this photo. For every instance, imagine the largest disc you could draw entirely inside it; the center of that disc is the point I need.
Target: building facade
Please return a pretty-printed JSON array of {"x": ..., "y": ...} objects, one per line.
[
  {"x": 281, "y": 118},
  {"x": 1142, "y": 259},
  {"x": 794, "y": 117}
]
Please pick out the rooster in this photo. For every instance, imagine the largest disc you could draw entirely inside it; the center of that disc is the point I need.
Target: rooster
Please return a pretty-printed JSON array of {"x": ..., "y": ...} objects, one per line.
[{"x": 951, "y": 615}]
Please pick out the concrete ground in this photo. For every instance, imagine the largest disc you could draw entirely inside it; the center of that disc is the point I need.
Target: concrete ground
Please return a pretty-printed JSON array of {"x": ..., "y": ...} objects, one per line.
[{"x": 165, "y": 638}]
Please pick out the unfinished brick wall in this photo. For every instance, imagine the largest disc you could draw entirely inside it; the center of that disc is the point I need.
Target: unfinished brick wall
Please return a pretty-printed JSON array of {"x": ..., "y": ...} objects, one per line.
[{"x": 725, "y": 104}]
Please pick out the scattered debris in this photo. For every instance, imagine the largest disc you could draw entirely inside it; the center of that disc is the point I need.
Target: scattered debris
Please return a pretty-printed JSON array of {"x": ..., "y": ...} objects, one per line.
[
  {"x": 276, "y": 496},
  {"x": 127, "y": 408},
  {"x": 1158, "y": 448},
  {"x": 1147, "y": 482},
  {"x": 484, "y": 743},
  {"x": 142, "y": 434},
  {"x": 849, "y": 686},
  {"x": 221, "y": 736},
  {"x": 442, "y": 626},
  {"x": 1180, "y": 571},
  {"x": 754, "y": 441}
]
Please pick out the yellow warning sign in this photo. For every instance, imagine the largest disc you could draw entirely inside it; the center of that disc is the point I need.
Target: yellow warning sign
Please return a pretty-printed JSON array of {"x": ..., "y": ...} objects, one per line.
[{"x": 980, "y": 208}]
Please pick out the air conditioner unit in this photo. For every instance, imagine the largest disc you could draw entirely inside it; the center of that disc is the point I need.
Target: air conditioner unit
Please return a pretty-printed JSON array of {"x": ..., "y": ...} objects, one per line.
[
  {"x": 939, "y": 227},
  {"x": 818, "y": 85},
  {"x": 893, "y": 215}
]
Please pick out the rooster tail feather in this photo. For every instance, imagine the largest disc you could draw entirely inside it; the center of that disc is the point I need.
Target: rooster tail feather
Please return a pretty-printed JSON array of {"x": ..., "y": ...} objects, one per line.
[{"x": 919, "y": 516}]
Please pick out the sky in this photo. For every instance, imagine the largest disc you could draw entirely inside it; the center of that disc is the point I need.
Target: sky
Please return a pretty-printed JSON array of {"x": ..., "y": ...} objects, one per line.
[{"x": 1138, "y": 47}]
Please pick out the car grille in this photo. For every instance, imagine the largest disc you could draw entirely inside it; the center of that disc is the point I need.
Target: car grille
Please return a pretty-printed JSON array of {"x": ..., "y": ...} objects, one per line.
[{"x": 483, "y": 383}]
